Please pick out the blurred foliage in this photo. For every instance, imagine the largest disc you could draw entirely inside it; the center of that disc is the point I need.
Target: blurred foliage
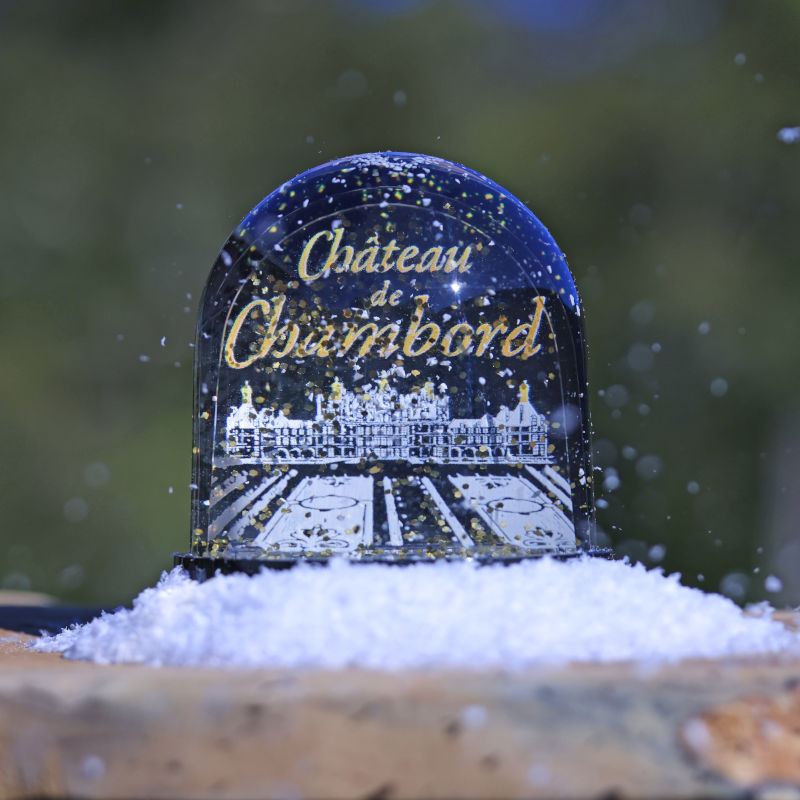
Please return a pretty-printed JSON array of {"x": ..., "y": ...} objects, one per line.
[{"x": 136, "y": 134}]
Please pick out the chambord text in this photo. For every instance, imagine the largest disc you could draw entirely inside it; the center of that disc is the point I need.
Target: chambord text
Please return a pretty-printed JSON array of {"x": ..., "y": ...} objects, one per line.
[{"x": 276, "y": 338}]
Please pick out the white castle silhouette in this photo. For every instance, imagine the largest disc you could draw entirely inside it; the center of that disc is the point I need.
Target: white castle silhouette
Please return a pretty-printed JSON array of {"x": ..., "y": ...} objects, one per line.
[{"x": 382, "y": 424}]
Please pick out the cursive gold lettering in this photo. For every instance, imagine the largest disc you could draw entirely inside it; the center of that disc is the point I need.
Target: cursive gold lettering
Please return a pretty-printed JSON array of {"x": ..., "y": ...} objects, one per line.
[
  {"x": 452, "y": 333},
  {"x": 530, "y": 329},
  {"x": 415, "y": 330},
  {"x": 408, "y": 252},
  {"x": 454, "y": 261},
  {"x": 376, "y": 258}
]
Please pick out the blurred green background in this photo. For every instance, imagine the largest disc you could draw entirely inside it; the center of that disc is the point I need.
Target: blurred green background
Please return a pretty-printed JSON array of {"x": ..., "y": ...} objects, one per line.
[{"x": 645, "y": 136}]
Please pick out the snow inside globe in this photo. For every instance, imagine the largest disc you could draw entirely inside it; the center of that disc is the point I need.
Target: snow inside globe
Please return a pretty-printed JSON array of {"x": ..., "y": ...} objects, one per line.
[{"x": 390, "y": 366}]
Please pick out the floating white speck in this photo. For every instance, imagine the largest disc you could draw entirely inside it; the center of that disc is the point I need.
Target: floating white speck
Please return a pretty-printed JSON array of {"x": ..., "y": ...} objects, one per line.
[
  {"x": 611, "y": 481},
  {"x": 656, "y": 553},
  {"x": 789, "y": 135},
  {"x": 474, "y": 716},
  {"x": 773, "y": 583},
  {"x": 93, "y": 768},
  {"x": 719, "y": 387}
]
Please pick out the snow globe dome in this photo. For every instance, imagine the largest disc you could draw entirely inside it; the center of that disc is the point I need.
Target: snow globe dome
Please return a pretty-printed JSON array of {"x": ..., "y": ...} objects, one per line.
[{"x": 390, "y": 366}]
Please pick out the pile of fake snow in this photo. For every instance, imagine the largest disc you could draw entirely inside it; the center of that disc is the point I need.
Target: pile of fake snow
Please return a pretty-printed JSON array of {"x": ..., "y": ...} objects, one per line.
[{"x": 429, "y": 615}]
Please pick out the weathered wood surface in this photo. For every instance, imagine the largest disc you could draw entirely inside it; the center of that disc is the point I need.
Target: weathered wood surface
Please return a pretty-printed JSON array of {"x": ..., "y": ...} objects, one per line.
[{"x": 703, "y": 728}]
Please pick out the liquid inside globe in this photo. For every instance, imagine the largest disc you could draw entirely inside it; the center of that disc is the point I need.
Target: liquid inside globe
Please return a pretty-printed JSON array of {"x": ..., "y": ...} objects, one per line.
[{"x": 390, "y": 366}]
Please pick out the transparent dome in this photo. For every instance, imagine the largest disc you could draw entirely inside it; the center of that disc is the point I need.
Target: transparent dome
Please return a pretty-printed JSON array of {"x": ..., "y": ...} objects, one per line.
[{"x": 390, "y": 366}]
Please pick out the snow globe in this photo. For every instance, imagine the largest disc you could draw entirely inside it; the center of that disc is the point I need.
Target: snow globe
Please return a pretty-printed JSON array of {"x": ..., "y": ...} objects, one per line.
[{"x": 390, "y": 366}]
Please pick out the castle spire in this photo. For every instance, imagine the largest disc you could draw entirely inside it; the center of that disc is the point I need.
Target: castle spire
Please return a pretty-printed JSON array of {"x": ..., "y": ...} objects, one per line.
[
  {"x": 382, "y": 384},
  {"x": 247, "y": 394},
  {"x": 429, "y": 388},
  {"x": 336, "y": 391},
  {"x": 524, "y": 391}
]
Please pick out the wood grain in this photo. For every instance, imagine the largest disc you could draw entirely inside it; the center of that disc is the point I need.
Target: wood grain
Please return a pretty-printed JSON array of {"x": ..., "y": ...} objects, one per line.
[{"x": 72, "y": 729}]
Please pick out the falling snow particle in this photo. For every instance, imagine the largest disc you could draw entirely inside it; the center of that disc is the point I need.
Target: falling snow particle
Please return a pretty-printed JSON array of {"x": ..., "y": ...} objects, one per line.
[
  {"x": 703, "y": 328},
  {"x": 616, "y": 396},
  {"x": 656, "y": 553},
  {"x": 734, "y": 585},
  {"x": 693, "y": 487},
  {"x": 696, "y": 733},
  {"x": 474, "y": 716},
  {"x": 76, "y": 509},
  {"x": 773, "y": 583},
  {"x": 642, "y": 312},
  {"x": 640, "y": 357},
  {"x": 649, "y": 467},
  {"x": 93, "y": 768},
  {"x": 71, "y": 577},
  {"x": 611, "y": 480},
  {"x": 789, "y": 135},
  {"x": 96, "y": 474},
  {"x": 719, "y": 387}
]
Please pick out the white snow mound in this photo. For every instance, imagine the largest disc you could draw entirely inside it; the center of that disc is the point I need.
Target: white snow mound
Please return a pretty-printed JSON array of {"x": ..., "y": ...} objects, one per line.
[{"x": 424, "y": 616}]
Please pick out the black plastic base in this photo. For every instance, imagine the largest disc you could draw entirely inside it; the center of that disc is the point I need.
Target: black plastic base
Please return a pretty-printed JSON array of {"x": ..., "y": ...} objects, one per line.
[{"x": 203, "y": 567}]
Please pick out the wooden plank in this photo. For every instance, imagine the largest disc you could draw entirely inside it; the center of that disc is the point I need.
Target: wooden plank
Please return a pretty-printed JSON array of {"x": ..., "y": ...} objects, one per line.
[{"x": 78, "y": 729}]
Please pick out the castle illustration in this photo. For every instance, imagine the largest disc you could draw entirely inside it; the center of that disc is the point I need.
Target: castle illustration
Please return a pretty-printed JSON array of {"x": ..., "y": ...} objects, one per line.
[{"x": 379, "y": 423}]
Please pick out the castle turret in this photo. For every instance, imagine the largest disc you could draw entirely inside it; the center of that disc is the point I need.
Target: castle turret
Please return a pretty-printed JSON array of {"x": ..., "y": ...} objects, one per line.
[
  {"x": 247, "y": 394},
  {"x": 524, "y": 391}
]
